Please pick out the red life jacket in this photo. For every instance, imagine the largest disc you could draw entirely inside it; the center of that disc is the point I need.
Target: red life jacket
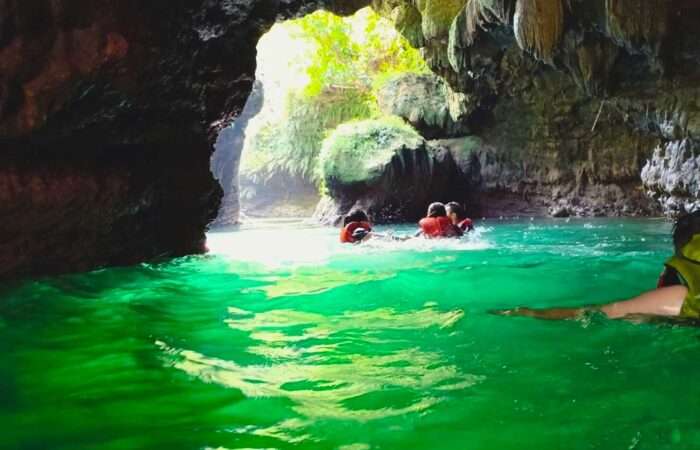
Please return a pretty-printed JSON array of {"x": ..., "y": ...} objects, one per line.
[
  {"x": 436, "y": 227},
  {"x": 347, "y": 231},
  {"x": 466, "y": 225}
]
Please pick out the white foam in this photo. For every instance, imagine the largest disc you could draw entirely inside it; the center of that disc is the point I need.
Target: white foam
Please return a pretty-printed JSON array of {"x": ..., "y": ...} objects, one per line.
[{"x": 296, "y": 244}]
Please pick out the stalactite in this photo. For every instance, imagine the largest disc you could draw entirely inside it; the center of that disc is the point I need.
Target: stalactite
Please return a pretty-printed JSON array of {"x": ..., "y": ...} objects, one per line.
[
  {"x": 476, "y": 15},
  {"x": 539, "y": 26},
  {"x": 638, "y": 24},
  {"x": 480, "y": 13}
]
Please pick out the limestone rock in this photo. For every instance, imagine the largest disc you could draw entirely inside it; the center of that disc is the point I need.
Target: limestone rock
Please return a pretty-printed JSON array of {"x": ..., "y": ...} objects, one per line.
[
  {"x": 387, "y": 170},
  {"x": 427, "y": 103},
  {"x": 672, "y": 176}
]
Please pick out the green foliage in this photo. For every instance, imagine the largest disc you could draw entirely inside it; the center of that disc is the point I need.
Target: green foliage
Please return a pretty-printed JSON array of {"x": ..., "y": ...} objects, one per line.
[
  {"x": 353, "y": 51},
  {"x": 349, "y": 60},
  {"x": 356, "y": 151},
  {"x": 292, "y": 147}
]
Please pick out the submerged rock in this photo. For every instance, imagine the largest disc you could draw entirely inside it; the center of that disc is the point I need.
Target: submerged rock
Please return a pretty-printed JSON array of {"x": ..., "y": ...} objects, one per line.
[{"x": 560, "y": 211}]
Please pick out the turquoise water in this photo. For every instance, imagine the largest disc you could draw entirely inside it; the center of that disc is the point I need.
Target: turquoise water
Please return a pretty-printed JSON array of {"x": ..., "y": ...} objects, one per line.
[{"x": 282, "y": 338}]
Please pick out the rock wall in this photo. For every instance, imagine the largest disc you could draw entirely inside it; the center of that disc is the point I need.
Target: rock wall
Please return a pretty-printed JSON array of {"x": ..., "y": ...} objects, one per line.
[
  {"x": 570, "y": 98},
  {"x": 108, "y": 112},
  {"x": 427, "y": 103},
  {"x": 225, "y": 161},
  {"x": 672, "y": 175}
]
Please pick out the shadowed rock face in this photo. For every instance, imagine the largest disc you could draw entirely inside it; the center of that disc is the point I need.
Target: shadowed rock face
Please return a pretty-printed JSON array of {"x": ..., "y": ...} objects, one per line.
[{"x": 108, "y": 112}]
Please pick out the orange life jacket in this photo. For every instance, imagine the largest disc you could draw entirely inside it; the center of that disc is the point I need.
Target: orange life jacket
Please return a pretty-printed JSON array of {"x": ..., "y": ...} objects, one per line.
[
  {"x": 347, "y": 231},
  {"x": 436, "y": 227}
]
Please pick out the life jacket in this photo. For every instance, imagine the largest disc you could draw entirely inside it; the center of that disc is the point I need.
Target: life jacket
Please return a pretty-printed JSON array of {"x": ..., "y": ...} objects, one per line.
[
  {"x": 347, "y": 231},
  {"x": 466, "y": 225},
  {"x": 687, "y": 264},
  {"x": 436, "y": 227}
]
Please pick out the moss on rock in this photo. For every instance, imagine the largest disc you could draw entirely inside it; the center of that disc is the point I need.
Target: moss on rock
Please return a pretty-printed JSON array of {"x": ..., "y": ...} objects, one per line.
[{"x": 358, "y": 151}]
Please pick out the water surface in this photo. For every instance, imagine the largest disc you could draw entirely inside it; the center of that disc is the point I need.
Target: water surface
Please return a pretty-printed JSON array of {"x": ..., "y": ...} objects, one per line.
[{"x": 283, "y": 338}]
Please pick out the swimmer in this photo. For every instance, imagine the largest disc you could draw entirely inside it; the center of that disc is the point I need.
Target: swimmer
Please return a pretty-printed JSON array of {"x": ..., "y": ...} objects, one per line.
[
  {"x": 677, "y": 294},
  {"x": 459, "y": 219},
  {"x": 356, "y": 227},
  {"x": 437, "y": 224}
]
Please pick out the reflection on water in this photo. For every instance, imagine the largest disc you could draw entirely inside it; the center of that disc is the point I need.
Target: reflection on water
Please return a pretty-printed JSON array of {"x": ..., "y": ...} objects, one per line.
[
  {"x": 366, "y": 322},
  {"x": 333, "y": 367},
  {"x": 315, "y": 281}
]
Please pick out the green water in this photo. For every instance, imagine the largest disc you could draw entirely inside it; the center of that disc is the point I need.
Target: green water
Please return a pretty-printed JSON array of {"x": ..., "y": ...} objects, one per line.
[{"x": 285, "y": 339}]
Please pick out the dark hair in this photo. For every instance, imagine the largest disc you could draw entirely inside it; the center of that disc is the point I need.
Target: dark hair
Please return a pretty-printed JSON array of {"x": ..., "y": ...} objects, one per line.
[
  {"x": 355, "y": 215},
  {"x": 436, "y": 209},
  {"x": 685, "y": 228},
  {"x": 456, "y": 208}
]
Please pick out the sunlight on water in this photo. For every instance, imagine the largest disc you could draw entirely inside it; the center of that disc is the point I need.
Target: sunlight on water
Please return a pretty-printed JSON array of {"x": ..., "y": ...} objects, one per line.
[
  {"x": 284, "y": 338},
  {"x": 273, "y": 246},
  {"x": 324, "y": 381}
]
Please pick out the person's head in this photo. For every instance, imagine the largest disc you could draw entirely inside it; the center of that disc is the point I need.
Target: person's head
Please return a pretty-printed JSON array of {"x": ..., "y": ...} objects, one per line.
[
  {"x": 685, "y": 228},
  {"x": 454, "y": 211},
  {"x": 355, "y": 215},
  {"x": 436, "y": 209}
]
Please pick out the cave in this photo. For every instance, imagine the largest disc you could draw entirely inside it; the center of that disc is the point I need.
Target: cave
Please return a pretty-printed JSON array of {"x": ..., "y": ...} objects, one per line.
[
  {"x": 327, "y": 89},
  {"x": 518, "y": 154},
  {"x": 196, "y": 256},
  {"x": 108, "y": 121}
]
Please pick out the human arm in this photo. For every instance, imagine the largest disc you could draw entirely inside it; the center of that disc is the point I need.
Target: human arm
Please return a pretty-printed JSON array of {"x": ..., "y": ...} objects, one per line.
[
  {"x": 665, "y": 301},
  {"x": 467, "y": 225}
]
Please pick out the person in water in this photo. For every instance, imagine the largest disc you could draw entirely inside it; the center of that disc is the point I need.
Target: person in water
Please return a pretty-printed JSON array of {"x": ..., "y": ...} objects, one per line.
[
  {"x": 459, "y": 219},
  {"x": 437, "y": 224},
  {"x": 677, "y": 293},
  {"x": 356, "y": 227}
]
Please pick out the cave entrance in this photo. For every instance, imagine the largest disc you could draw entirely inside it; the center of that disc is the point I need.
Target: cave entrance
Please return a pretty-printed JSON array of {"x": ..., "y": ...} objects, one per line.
[{"x": 313, "y": 74}]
